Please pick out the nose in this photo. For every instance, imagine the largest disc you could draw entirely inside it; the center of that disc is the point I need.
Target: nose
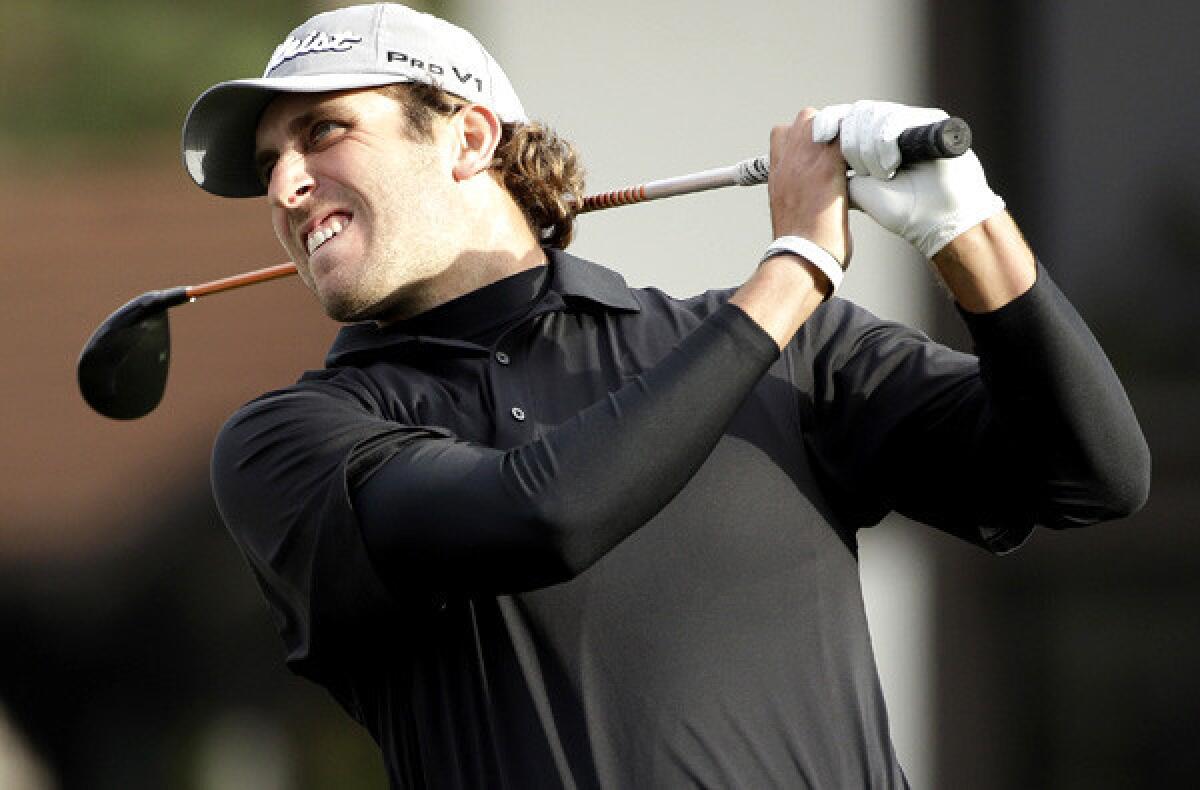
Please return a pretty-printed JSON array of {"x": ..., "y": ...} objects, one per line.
[{"x": 290, "y": 181}]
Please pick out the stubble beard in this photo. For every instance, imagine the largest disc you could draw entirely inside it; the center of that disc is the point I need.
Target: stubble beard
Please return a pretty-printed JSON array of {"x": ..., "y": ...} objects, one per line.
[
  {"x": 392, "y": 284},
  {"x": 406, "y": 244},
  {"x": 364, "y": 299}
]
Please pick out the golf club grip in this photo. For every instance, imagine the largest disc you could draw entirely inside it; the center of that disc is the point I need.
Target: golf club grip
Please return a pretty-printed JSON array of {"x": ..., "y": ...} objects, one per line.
[{"x": 944, "y": 139}]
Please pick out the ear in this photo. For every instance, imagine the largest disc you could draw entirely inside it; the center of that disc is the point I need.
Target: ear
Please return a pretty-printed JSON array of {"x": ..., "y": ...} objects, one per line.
[{"x": 478, "y": 132}]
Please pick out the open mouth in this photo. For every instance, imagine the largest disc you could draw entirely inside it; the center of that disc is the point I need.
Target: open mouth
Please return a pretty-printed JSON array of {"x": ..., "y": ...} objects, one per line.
[{"x": 329, "y": 227}]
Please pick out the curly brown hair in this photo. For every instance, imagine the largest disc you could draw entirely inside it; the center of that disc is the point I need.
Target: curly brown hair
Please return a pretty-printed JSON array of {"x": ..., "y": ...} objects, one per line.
[{"x": 538, "y": 168}]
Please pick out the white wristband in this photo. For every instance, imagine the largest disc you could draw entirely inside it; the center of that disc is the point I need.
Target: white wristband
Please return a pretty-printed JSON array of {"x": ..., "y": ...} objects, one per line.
[{"x": 813, "y": 253}]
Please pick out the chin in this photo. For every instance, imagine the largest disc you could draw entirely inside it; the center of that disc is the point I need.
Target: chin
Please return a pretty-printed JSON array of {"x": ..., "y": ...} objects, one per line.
[{"x": 344, "y": 307}]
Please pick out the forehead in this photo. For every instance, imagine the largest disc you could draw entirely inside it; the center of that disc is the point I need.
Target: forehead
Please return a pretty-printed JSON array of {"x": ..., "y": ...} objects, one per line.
[{"x": 288, "y": 113}]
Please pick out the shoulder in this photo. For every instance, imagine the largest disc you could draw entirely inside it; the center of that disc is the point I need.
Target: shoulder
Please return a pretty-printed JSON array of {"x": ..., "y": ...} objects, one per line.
[
  {"x": 292, "y": 440},
  {"x": 659, "y": 309},
  {"x": 585, "y": 281},
  {"x": 318, "y": 398},
  {"x": 840, "y": 330}
]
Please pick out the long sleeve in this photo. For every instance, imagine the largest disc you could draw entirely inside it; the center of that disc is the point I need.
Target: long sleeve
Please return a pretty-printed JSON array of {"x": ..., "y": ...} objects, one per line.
[
  {"x": 1037, "y": 430},
  {"x": 446, "y": 513}
]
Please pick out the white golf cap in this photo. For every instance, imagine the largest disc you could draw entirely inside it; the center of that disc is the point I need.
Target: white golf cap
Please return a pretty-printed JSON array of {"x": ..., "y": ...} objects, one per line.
[{"x": 356, "y": 47}]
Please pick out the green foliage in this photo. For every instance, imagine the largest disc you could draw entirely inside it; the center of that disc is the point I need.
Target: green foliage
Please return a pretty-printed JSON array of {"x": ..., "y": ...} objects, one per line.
[{"x": 99, "y": 73}]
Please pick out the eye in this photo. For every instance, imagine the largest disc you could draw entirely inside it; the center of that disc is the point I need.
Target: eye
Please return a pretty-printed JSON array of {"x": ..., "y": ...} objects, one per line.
[
  {"x": 321, "y": 131},
  {"x": 265, "y": 168}
]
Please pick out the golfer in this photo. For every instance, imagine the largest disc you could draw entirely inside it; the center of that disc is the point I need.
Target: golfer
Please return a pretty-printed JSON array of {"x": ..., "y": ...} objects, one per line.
[{"x": 534, "y": 528}]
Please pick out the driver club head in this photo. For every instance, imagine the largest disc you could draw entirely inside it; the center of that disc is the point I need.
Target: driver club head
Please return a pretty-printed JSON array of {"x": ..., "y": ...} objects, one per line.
[{"x": 122, "y": 370}]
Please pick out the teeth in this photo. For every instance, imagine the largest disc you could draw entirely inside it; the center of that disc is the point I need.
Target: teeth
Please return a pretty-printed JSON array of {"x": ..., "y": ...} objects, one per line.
[{"x": 320, "y": 236}]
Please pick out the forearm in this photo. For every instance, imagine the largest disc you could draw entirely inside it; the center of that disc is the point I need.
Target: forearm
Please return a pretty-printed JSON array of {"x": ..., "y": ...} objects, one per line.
[
  {"x": 1044, "y": 435},
  {"x": 1053, "y": 382},
  {"x": 452, "y": 515},
  {"x": 807, "y": 192},
  {"x": 1054, "y": 389}
]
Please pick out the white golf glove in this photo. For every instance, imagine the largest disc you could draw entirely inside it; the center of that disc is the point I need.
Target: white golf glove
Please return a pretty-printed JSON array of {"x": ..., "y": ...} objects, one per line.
[{"x": 929, "y": 203}]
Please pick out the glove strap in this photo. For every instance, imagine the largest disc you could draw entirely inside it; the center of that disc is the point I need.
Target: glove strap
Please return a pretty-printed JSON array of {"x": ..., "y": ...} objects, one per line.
[{"x": 813, "y": 253}]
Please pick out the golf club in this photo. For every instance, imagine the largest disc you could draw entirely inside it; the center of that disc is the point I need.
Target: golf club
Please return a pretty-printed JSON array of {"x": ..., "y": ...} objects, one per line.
[{"x": 122, "y": 370}]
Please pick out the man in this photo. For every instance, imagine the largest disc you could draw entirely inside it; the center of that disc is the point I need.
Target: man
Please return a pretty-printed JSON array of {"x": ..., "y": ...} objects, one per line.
[{"x": 533, "y": 528}]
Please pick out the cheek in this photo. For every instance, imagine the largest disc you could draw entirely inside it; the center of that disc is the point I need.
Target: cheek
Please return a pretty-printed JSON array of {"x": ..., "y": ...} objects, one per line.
[{"x": 279, "y": 224}]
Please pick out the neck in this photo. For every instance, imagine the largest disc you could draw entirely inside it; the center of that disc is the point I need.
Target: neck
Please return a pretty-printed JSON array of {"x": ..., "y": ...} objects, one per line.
[{"x": 498, "y": 244}]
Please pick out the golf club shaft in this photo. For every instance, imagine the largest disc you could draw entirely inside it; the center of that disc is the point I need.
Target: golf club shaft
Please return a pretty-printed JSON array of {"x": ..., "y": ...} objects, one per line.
[
  {"x": 745, "y": 173},
  {"x": 733, "y": 175},
  {"x": 946, "y": 138},
  {"x": 241, "y": 280}
]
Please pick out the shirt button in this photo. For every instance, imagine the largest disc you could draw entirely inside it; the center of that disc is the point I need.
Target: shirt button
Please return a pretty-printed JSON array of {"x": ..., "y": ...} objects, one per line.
[
  {"x": 502, "y": 358},
  {"x": 518, "y": 414}
]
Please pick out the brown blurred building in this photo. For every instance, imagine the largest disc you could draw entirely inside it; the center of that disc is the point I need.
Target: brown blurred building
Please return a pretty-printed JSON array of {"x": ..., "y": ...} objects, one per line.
[
  {"x": 133, "y": 633},
  {"x": 78, "y": 245}
]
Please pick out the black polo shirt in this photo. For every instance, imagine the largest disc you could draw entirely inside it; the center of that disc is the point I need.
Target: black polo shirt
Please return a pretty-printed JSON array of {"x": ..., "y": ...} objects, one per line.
[{"x": 564, "y": 533}]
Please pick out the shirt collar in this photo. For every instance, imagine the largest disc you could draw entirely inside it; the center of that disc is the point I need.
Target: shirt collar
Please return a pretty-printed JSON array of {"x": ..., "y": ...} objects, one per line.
[
  {"x": 579, "y": 279},
  {"x": 454, "y": 324}
]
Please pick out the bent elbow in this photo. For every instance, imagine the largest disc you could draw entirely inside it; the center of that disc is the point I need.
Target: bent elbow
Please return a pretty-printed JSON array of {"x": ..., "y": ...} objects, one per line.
[
  {"x": 542, "y": 546},
  {"x": 564, "y": 556},
  {"x": 1128, "y": 478},
  {"x": 1125, "y": 483},
  {"x": 1129, "y": 491},
  {"x": 1118, "y": 491},
  {"x": 568, "y": 543}
]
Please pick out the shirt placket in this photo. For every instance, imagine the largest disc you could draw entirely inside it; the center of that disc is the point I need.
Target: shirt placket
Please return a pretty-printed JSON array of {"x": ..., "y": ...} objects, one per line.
[
  {"x": 515, "y": 410},
  {"x": 515, "y": 423}
]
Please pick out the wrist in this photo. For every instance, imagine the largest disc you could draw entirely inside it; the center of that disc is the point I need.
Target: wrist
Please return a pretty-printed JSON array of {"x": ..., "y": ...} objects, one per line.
[
  {"x": 987, "y": 266},
  {"x": 966, "y": 215},
  {"x": 826, "y": 270},
  {"x": 781, "y": 294},
  {"x": 788, "y": 271}
]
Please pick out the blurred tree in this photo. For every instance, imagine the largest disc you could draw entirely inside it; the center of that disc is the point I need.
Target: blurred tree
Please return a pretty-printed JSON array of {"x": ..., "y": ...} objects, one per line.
[
  {"x": 82, "y": 74},
  {"x": 86, "y": 77}
]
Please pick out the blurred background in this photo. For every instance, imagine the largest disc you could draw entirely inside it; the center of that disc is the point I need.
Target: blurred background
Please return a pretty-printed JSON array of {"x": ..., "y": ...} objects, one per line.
[{"x": 137, "y": 651}]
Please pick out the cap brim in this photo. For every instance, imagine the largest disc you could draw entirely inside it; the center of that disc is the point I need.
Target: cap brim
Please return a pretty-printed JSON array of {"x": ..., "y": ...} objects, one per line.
[{"x": 218, "y": 135}]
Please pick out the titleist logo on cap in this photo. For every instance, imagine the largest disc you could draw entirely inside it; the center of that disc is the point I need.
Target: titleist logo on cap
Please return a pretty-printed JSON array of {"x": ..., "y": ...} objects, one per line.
[{"x": 316, "y": 41}]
